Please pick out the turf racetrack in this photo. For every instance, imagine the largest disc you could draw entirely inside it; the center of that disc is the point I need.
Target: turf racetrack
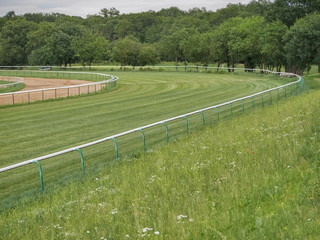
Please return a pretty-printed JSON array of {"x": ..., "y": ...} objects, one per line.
[{"x": 33, "y": 130}]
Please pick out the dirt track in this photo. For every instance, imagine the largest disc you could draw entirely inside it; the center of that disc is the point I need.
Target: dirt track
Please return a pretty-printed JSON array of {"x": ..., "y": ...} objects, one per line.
[{"x": 42, "y": 83}]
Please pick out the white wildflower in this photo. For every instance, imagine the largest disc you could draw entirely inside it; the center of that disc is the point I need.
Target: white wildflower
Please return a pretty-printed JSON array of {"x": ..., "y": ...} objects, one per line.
[{"x": 146, "y": 229}]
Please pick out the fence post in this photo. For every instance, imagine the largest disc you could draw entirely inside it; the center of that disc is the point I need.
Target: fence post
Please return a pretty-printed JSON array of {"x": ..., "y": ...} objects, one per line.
[
  {"x": 143, "y": 139},
  {"x": 167, "y": 132},
  {"x": 242, "y": 102},
  {"x": 285, "y": 92},
  {"x": 13, "y": 99},
  {"x": 270, "y": 97},
  {"x": 28, "y": 97},
  {"x": 230, "y": 108},
  {"x": 55, "y": 93},
  {"x": 187, "y": 125},
  {"x": 41, "y": 177},
  {"x": 82, "y": 160},
  {"x": 290, "y": 90},
  {"x": 262, "y": 103},
  {"x": 278, "y": 94},
  {"x": 116, "y": 147},
  {"x": 217, "y": 110},
  {"x": 252, "y": 102},
  {"x": 42, "y": 95},
  {"x": 203, "y": 119}
]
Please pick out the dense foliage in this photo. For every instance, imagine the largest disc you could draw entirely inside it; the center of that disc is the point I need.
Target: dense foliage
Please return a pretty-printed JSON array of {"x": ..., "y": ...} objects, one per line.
[{"x": 260, "y": 34}]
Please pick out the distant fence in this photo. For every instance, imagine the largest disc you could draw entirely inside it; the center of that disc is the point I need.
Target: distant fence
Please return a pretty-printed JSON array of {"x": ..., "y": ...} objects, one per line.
[
  {"x": 294, "y": 86},
  {"x": 100, "y": 81}
]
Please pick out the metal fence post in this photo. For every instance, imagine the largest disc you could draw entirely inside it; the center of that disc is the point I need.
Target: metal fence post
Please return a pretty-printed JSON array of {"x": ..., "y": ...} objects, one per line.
[
  {"x": 230, "y": 105},
  {"x": 82, "y": 160},
  {"x": 285, "y": 92},
  {"x": 262, "y": 103},
  {"x": 242, "y": 105},
  {"x": 116, "y": 147},
  {"x": 167, "y": 132},
  {"x": 217, "y": 110},
  {"x": 143, "y": 139},
  {"x": 41, "y": 177},
  {"x": 252, "y": 102},
  {"x": 278, "y": 94},
  {"x": 187, "y": 125},
  {"x": 203, "y": 119},
  {"x": 270, "y": 97}
]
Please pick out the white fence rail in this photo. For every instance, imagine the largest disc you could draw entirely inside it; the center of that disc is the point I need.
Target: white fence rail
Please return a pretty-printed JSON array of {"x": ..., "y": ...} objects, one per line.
[
  {"x": 14, "y": 80},
  {"x": 104, "y": 80},
  {"x": 298, "y": 86}
]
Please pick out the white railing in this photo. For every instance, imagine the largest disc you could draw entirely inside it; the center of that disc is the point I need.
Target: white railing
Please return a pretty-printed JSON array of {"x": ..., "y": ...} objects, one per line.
[
  {"x": 298, "y": 86},
  {"x": 14, "y": 80},
  {"x": 40, "y": 94}
]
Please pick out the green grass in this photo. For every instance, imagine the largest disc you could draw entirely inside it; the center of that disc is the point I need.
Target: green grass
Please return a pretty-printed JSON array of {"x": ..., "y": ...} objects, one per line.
[
  {"x": 30, "y": 131},
  {"x": 255, "y": 176}
]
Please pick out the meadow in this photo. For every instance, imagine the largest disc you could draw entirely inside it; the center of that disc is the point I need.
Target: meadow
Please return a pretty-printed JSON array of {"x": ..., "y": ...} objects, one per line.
[{"x": 252, "y": 176}]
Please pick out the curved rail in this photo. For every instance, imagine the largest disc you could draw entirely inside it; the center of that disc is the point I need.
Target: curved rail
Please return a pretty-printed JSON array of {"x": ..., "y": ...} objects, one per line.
[
  {"x": 106, "y": 79},
  {"x": 20, "y": 80}
]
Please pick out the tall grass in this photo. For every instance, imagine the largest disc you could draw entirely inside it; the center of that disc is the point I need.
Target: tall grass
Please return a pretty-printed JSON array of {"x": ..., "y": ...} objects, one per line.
[{"x": 255, "y": 176}]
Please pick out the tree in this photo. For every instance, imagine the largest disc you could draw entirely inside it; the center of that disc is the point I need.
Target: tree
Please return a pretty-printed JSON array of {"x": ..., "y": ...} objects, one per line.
[
  {"x": 220, "y": 43},
  {"x": 90, "y": 48},
  {"x": 245, "y": 44},
  {"x": 196, "y": 48},
  {"x": 303, "y": 44},
  {"x": 13, "y": 42},
  {"x": 40, "y": 44},
  {"x": 107, "y": 13},
  {"x": 273, "y": 53},
  {"x": 288, "y": 11},
  {"x": 126, "y": 51},
  {"x": 148, "y": 55}
]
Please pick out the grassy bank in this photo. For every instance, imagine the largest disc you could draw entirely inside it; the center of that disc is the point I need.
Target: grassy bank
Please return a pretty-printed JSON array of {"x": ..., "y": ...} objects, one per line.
[{"x": 255, "y": 176}]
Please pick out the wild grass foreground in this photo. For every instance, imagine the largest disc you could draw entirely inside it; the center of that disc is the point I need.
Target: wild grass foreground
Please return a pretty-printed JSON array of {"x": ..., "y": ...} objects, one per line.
[{"x": 253, "y": 177}]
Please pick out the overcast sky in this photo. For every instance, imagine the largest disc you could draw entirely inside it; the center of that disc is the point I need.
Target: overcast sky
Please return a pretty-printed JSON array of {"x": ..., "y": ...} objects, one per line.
[{"x": 84, "y": 7}]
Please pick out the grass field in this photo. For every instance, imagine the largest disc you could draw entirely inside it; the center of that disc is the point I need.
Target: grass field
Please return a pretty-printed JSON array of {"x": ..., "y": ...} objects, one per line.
[{"x": 254, "y": 176}]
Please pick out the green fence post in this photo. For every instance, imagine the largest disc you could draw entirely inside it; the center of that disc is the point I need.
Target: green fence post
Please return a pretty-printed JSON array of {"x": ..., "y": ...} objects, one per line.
[
  {"x": 290, "y": 90},
  {"x": 252, "y": 102},
  {"x": 143, "y": 139},
  {"x": 116, "y": 147},
  {"x": 167, "y": 132},
  {"x": 278, "y": 94},
  {"x": 187, "y": 125},
  {"x": 242, "y": 102},
  {"x": 217, "y": 110},
  {"x": 203, "y": 119},
  {"x": 285, "y": 92},
  {"x": 41, "y": 177},
  {"x": 230, "y": 106},
  {"x": 82, "y": 160},
  {"x": 270, "y": 99},
  {"x": 262, "y": 103}
]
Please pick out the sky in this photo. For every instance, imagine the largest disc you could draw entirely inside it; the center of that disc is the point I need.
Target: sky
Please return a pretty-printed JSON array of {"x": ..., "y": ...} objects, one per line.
[{"x": 83, "y": 8}]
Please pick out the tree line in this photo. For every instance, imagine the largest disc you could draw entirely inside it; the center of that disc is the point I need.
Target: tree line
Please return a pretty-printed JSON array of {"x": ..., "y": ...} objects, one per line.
[{"x": 265, "y": 34}]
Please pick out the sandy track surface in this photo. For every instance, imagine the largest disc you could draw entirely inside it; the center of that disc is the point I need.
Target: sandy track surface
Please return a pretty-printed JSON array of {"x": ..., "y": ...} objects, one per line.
[{"x": 42, "y": 83}]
